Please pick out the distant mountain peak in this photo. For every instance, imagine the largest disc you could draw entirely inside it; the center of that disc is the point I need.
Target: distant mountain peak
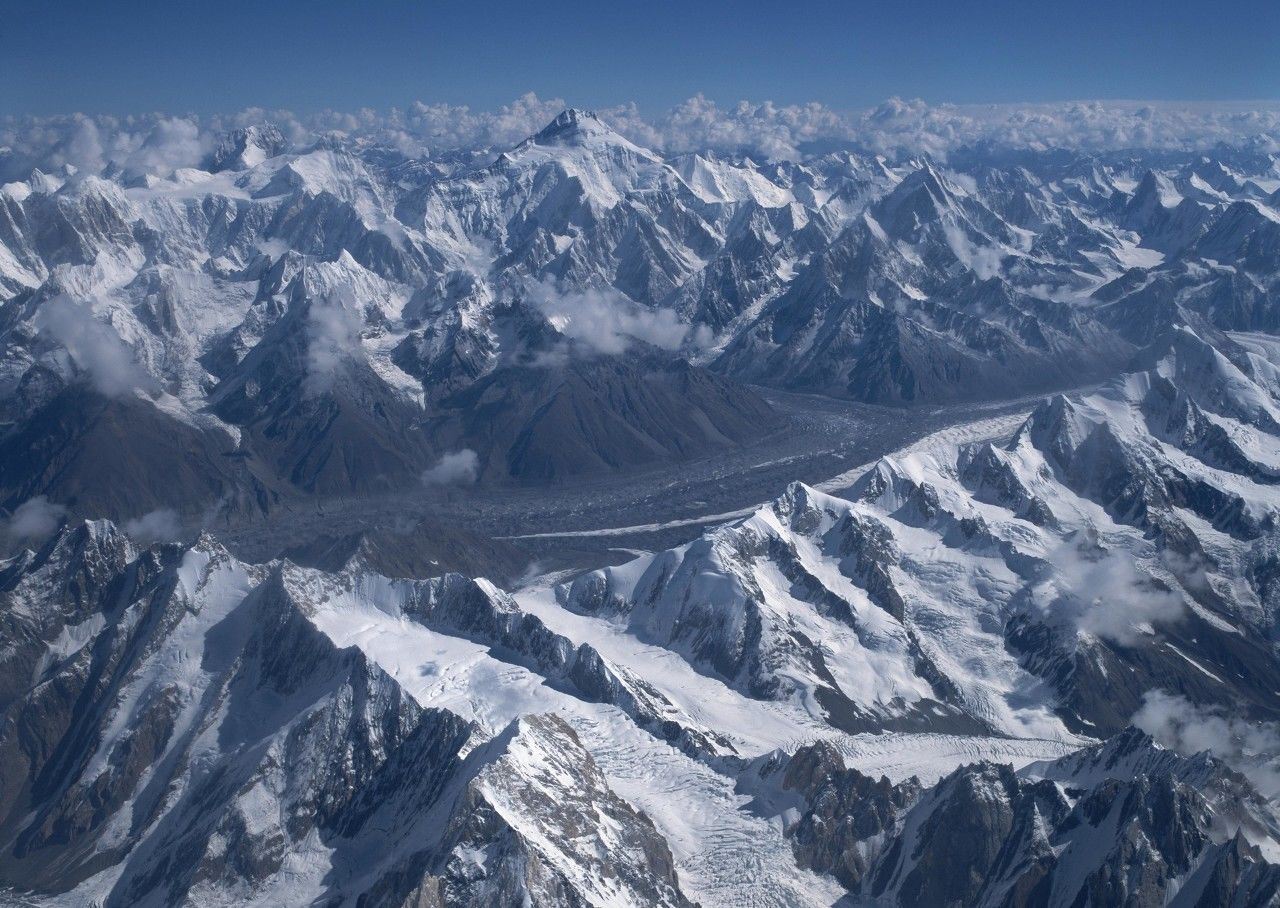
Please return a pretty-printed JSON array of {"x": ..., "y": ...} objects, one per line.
[
  {"x": 246, "y": 147},
  {"x": 570, "y": 124}
]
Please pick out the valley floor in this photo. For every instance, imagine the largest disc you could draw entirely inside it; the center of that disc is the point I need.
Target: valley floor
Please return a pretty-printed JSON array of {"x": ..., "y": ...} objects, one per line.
[{"x": 590, "y": 523}]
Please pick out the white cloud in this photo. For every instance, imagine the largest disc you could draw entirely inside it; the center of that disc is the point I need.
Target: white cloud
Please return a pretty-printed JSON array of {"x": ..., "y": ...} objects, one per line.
[
  {"x": 94, "y": 346},
  {"x": 457, "y": 468},
  {"x": 1103, "y": 592},
  {"x": 170, "y": 144},
  {"x": 1250, "y": 748},
  {"x": 156, "y": 526},
  {"x": 761, "y": 129},
  {"x": 34, "y": 519},
  {"x": 333, "y": 339},
  {"x": 82, "y": 147},
  {"x": 605, "y": 321},
  {"x": 984, "y": 261}
]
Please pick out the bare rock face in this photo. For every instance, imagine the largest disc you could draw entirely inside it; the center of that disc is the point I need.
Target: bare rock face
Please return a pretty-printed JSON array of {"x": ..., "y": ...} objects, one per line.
[
  {"x": 242, "y": 148},
  {"x": 846, "y": 812}
]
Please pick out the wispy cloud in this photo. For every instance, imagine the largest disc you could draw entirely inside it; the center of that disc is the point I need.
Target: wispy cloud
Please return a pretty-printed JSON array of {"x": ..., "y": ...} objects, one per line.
[
  {"x": 1103, "y": 592},
  {"x": 457, "y": 468},
  {"x": 161, "y": 525},
  {"x": 605, "y": 321},
  {"x": 94, "y": 346},
  {"x": 34, "y": 519},
  {"x": 1248, "y": 747},
  {"x": 333, "y": 339}
]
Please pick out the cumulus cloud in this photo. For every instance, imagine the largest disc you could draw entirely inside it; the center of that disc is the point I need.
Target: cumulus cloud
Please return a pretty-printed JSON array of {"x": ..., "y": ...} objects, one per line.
[
  {"x": 763, "y": 130},
  {"x": 605, "y": 321},
  {"x": 1103, "y": 592},
  {"x": 155, "y": 526},
  {"x": 457, "y": 468},
  {"x": 34, "y": 519},
  {"x": 95, "y": 347},
  {"x": 171, "y": 143},
  {"x": 1250, "y": 748}
]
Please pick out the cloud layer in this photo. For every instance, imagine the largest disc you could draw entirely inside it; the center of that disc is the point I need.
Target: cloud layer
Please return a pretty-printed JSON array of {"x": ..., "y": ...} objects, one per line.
[{"x": 159, "y": 143}]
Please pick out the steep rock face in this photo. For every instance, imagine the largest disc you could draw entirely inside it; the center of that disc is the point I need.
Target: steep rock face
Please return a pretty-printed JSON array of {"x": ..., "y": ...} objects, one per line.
[
  {"x": 846, "y": 815},
  {"x": 190, "y": 736},
  {"x": 1122, "y": 823},
  {"x": 595, "y": 415},
  {"x": 245, "y": 148},
  {"x": 92, "y": 453}
]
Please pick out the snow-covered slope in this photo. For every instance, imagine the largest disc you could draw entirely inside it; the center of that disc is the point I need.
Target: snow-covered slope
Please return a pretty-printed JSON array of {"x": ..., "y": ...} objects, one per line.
[{"x": 180, "y": 728}]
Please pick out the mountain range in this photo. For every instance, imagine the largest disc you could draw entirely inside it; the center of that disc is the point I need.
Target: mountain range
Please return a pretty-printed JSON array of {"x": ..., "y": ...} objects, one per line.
[{"x": 269, "y": 638}]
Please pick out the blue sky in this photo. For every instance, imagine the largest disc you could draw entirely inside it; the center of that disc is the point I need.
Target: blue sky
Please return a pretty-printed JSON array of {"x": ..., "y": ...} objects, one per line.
[{"x": 184, "y": 57}]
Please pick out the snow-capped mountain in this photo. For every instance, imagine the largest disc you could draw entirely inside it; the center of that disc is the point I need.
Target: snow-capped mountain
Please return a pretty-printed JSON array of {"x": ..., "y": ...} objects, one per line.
[
  {"x": 204, "y": 732},
  {"x": 334, "y": 319},
  {"x": 1123, "y": 822}
]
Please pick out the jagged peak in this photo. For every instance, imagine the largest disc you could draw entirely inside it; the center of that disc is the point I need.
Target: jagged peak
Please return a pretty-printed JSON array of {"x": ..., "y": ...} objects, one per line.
[
  {"x": 924, "y": 195},
  {"x": 890, "y": 472},
  {"x": 1056, "y": 427},
  {"x": 573, "y": 125},
  {"x": 1125, "y": 755},
  {"x": 1155, "y": 189},
  {"x": 246, "y": 147},
  {"x": 930, "y": 180},
  {"x": 800, "y": 499},
  {"x": 98, "y": 532}
]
